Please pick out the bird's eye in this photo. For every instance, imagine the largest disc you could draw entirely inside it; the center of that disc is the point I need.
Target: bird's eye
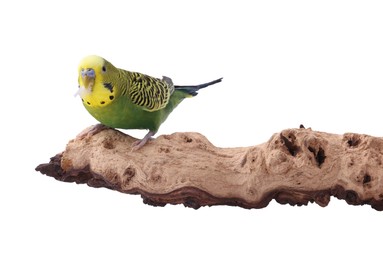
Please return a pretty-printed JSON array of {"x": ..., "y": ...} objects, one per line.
[{"x": 103, "y": 68}]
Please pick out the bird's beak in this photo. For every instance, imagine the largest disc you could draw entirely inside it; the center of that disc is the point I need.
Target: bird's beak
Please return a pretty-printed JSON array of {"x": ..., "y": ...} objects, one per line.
[{"x": 88, "y": 76}]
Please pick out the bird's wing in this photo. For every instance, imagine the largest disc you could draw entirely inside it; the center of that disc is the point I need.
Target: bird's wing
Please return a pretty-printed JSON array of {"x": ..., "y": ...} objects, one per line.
[{"x": 150, "y": 93}]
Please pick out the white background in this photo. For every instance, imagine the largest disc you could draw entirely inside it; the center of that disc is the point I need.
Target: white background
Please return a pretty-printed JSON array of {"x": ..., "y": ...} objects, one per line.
[{"x": 284, "y": 63}]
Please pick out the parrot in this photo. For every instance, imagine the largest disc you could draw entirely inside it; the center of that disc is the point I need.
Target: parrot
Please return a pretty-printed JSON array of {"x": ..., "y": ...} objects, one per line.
[{"x": 122, "y": 99}]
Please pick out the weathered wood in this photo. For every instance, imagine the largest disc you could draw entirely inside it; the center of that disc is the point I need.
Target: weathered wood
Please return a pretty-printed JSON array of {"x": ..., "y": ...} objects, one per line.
[{"x": 295, "y": 166}]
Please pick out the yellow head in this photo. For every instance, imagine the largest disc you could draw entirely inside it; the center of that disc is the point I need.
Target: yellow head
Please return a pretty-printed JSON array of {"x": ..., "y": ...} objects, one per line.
[{"x": 95, "y": 79}]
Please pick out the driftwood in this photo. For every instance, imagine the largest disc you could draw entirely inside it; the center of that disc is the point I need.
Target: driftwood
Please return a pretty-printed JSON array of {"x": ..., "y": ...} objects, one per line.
[{"x": 295, "y": 166}]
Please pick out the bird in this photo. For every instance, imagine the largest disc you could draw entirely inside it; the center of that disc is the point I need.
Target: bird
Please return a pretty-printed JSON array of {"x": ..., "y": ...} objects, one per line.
[{"x": 122, "y": 99}]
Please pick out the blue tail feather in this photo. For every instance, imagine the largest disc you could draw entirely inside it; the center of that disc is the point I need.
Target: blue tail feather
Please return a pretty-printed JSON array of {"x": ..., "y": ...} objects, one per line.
[{"x": 192, "y": 89}]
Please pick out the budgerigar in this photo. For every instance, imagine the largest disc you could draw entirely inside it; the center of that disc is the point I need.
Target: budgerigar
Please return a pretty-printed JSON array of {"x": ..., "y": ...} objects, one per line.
[{"x": 129, "y": 100}]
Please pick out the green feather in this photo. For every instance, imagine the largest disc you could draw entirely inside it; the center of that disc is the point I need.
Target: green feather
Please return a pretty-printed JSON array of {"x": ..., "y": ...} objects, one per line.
[{"x": 122, "y": 113}]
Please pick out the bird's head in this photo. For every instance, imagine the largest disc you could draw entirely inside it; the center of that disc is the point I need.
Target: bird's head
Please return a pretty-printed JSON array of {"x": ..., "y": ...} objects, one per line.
[
  {"x": 94, "y": 74},
  {"x": 90, "y": 68}
]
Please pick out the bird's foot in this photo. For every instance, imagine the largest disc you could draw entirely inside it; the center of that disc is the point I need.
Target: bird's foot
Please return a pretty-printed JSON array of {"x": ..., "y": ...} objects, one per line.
[
  {"x": 139, "y": 143},
  {"x": 92, "y": 131}
]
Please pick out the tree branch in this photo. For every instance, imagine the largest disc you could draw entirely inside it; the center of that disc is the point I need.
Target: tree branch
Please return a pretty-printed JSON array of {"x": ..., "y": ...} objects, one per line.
[{"x": 295, "y": 166}]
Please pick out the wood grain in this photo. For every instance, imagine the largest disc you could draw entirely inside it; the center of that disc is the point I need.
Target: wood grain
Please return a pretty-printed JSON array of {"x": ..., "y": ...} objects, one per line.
[{"x": 295, "y": 166}]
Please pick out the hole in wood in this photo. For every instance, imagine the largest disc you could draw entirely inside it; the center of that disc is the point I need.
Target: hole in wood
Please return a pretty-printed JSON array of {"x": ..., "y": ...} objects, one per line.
[
  {"x": 366, "y": 178},
  {"x": 188, "y": 139},
  {"x": 353, "y": 141},
  {"x": 291, "y": 147},
  {"x": 319, "y": 156}
]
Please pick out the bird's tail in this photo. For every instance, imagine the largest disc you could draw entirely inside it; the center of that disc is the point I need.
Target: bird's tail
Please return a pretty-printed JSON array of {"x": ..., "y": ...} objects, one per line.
[{"x": 192, "y": 89}]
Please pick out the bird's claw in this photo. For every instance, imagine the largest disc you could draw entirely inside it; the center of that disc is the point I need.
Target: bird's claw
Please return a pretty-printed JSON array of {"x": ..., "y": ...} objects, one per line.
[
  {"x": 139, "y": 143},
  {"x": 91, "y": 131}
]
